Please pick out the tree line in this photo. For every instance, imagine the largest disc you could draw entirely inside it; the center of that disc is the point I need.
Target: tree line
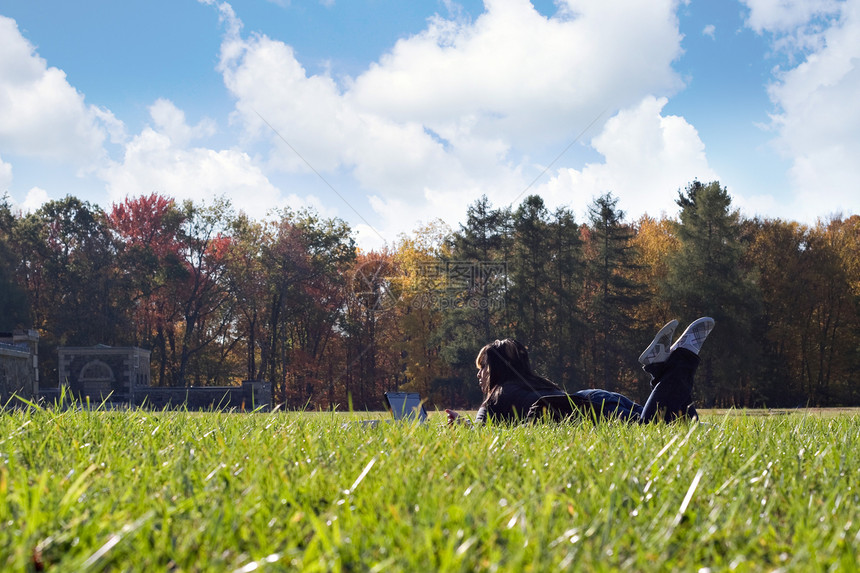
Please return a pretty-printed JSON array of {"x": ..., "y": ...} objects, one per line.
[{"x": 219, "y": 297}]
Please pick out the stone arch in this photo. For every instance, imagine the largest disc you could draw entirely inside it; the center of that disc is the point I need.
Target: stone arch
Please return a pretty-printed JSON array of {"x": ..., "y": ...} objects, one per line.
[{"x": 97, "y": 371}]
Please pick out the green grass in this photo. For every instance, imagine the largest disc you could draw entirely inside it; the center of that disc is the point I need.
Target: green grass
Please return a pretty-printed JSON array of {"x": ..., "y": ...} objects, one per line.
[{"x": 144, "y": 491}]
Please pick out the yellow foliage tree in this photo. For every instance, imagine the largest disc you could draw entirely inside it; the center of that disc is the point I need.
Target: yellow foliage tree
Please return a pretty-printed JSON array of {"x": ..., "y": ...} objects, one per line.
[
  {"x": 422, "y": 291},
  {"x": 655, "y": 242}
]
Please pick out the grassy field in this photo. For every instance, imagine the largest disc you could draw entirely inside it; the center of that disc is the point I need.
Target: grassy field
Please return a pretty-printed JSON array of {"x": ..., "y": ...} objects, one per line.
[{"x": 144, "y": 491}]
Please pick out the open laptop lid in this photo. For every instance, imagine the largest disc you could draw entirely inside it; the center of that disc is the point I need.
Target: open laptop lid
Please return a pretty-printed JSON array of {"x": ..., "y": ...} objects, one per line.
[{"x": 406, "y": 405}]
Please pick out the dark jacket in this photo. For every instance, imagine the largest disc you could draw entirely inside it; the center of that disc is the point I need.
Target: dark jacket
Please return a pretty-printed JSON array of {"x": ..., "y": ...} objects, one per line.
[{"x": 511, "y": 403}]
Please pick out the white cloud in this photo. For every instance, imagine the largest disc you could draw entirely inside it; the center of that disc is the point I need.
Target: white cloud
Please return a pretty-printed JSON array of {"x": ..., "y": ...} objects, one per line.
[
  {"x": 516, "y": 74},
  {"x": 784, "y": 16},
  {"x": 709, "y": 31},
  {"x": 5, "y": 176},
  {"x": 35, "y": 198},
  {"x": 159, "y": 160},
  {"x": 41, "y": 115},
  {"x": 457, "y": 110},
  {"x": 171, "y": 122},
  {"x": 647, "y": 156},
  {"x": 818, "y": 119}
]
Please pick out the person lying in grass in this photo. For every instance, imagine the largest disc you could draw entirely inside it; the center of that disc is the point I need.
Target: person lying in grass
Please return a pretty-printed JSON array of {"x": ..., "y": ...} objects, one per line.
[{"x": 511, "y": 388}]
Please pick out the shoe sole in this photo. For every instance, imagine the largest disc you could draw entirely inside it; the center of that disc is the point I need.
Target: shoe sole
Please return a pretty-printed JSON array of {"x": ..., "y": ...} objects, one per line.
[
  {"x": 669, "y": 329},
  {"x": 693, "y": 326}
]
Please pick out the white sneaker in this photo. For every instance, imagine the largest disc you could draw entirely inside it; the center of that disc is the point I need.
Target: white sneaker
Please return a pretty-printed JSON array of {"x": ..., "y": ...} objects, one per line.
[
  {"x": 695, "y": 335},
  {"x": 658, "y": 350}
]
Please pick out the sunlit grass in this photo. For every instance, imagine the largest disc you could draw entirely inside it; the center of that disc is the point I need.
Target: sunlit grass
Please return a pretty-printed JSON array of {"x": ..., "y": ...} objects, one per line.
[{"x": 147, "y": 491}]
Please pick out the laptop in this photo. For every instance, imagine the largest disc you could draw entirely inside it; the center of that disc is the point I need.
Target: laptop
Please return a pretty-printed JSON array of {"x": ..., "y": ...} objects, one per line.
[{"x": 406, "y": 406}]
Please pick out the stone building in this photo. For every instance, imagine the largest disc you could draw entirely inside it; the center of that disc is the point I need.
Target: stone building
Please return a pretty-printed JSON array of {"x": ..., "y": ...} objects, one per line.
[
  {"x": 121, "y": 376},
  {"x": 102, "y": 372},
  {"x": 19, "y": 365}
]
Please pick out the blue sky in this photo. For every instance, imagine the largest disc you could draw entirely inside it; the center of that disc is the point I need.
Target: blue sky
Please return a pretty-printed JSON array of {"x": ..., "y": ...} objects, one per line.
[{"x": 390, "y": 114}]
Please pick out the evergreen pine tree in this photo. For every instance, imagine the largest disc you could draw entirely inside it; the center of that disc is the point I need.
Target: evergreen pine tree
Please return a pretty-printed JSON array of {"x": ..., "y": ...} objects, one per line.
[
  {"x": 563, "y": 314},
  {"x": 613, "y": 292},
  {"x": 706, "y": 278},
  {"x": 529, "y": 293},
  {"x": 476, "y": 315}
]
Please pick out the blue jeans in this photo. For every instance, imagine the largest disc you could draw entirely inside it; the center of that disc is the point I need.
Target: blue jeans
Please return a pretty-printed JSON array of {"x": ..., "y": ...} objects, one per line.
[
  {"x": 671, "y": 395},
  {"x": 612, "y": 404}
]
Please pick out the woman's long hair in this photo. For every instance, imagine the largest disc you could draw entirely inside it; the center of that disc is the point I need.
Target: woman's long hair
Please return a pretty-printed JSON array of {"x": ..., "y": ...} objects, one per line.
[{"x": 508, "y": 362}]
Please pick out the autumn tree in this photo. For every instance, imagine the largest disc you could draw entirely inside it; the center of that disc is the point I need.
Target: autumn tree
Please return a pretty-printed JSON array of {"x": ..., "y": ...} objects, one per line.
[
  {"x": 205, "y": 303},
  {"x": 780, "y": 255},
  {"x": 373, "y": 364},
  {"x": 305, "y": 265},
  {"x": 148, "y": 232},
  {"x": 317, "y": 316},
  {"x": 848, "y": 247},
  {"x": 421, "y": 283},
  {"x": 831, "y": 341},
  {"x": 249, "y": 282},
  {"x": 655, "y": 243},
  {"x": 68, "y": 267},
  {"x": 809, "y": 316}
]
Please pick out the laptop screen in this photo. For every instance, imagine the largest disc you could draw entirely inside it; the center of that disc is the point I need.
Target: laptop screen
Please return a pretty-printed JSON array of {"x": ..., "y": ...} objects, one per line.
[{"x": 406, "y": 405}]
